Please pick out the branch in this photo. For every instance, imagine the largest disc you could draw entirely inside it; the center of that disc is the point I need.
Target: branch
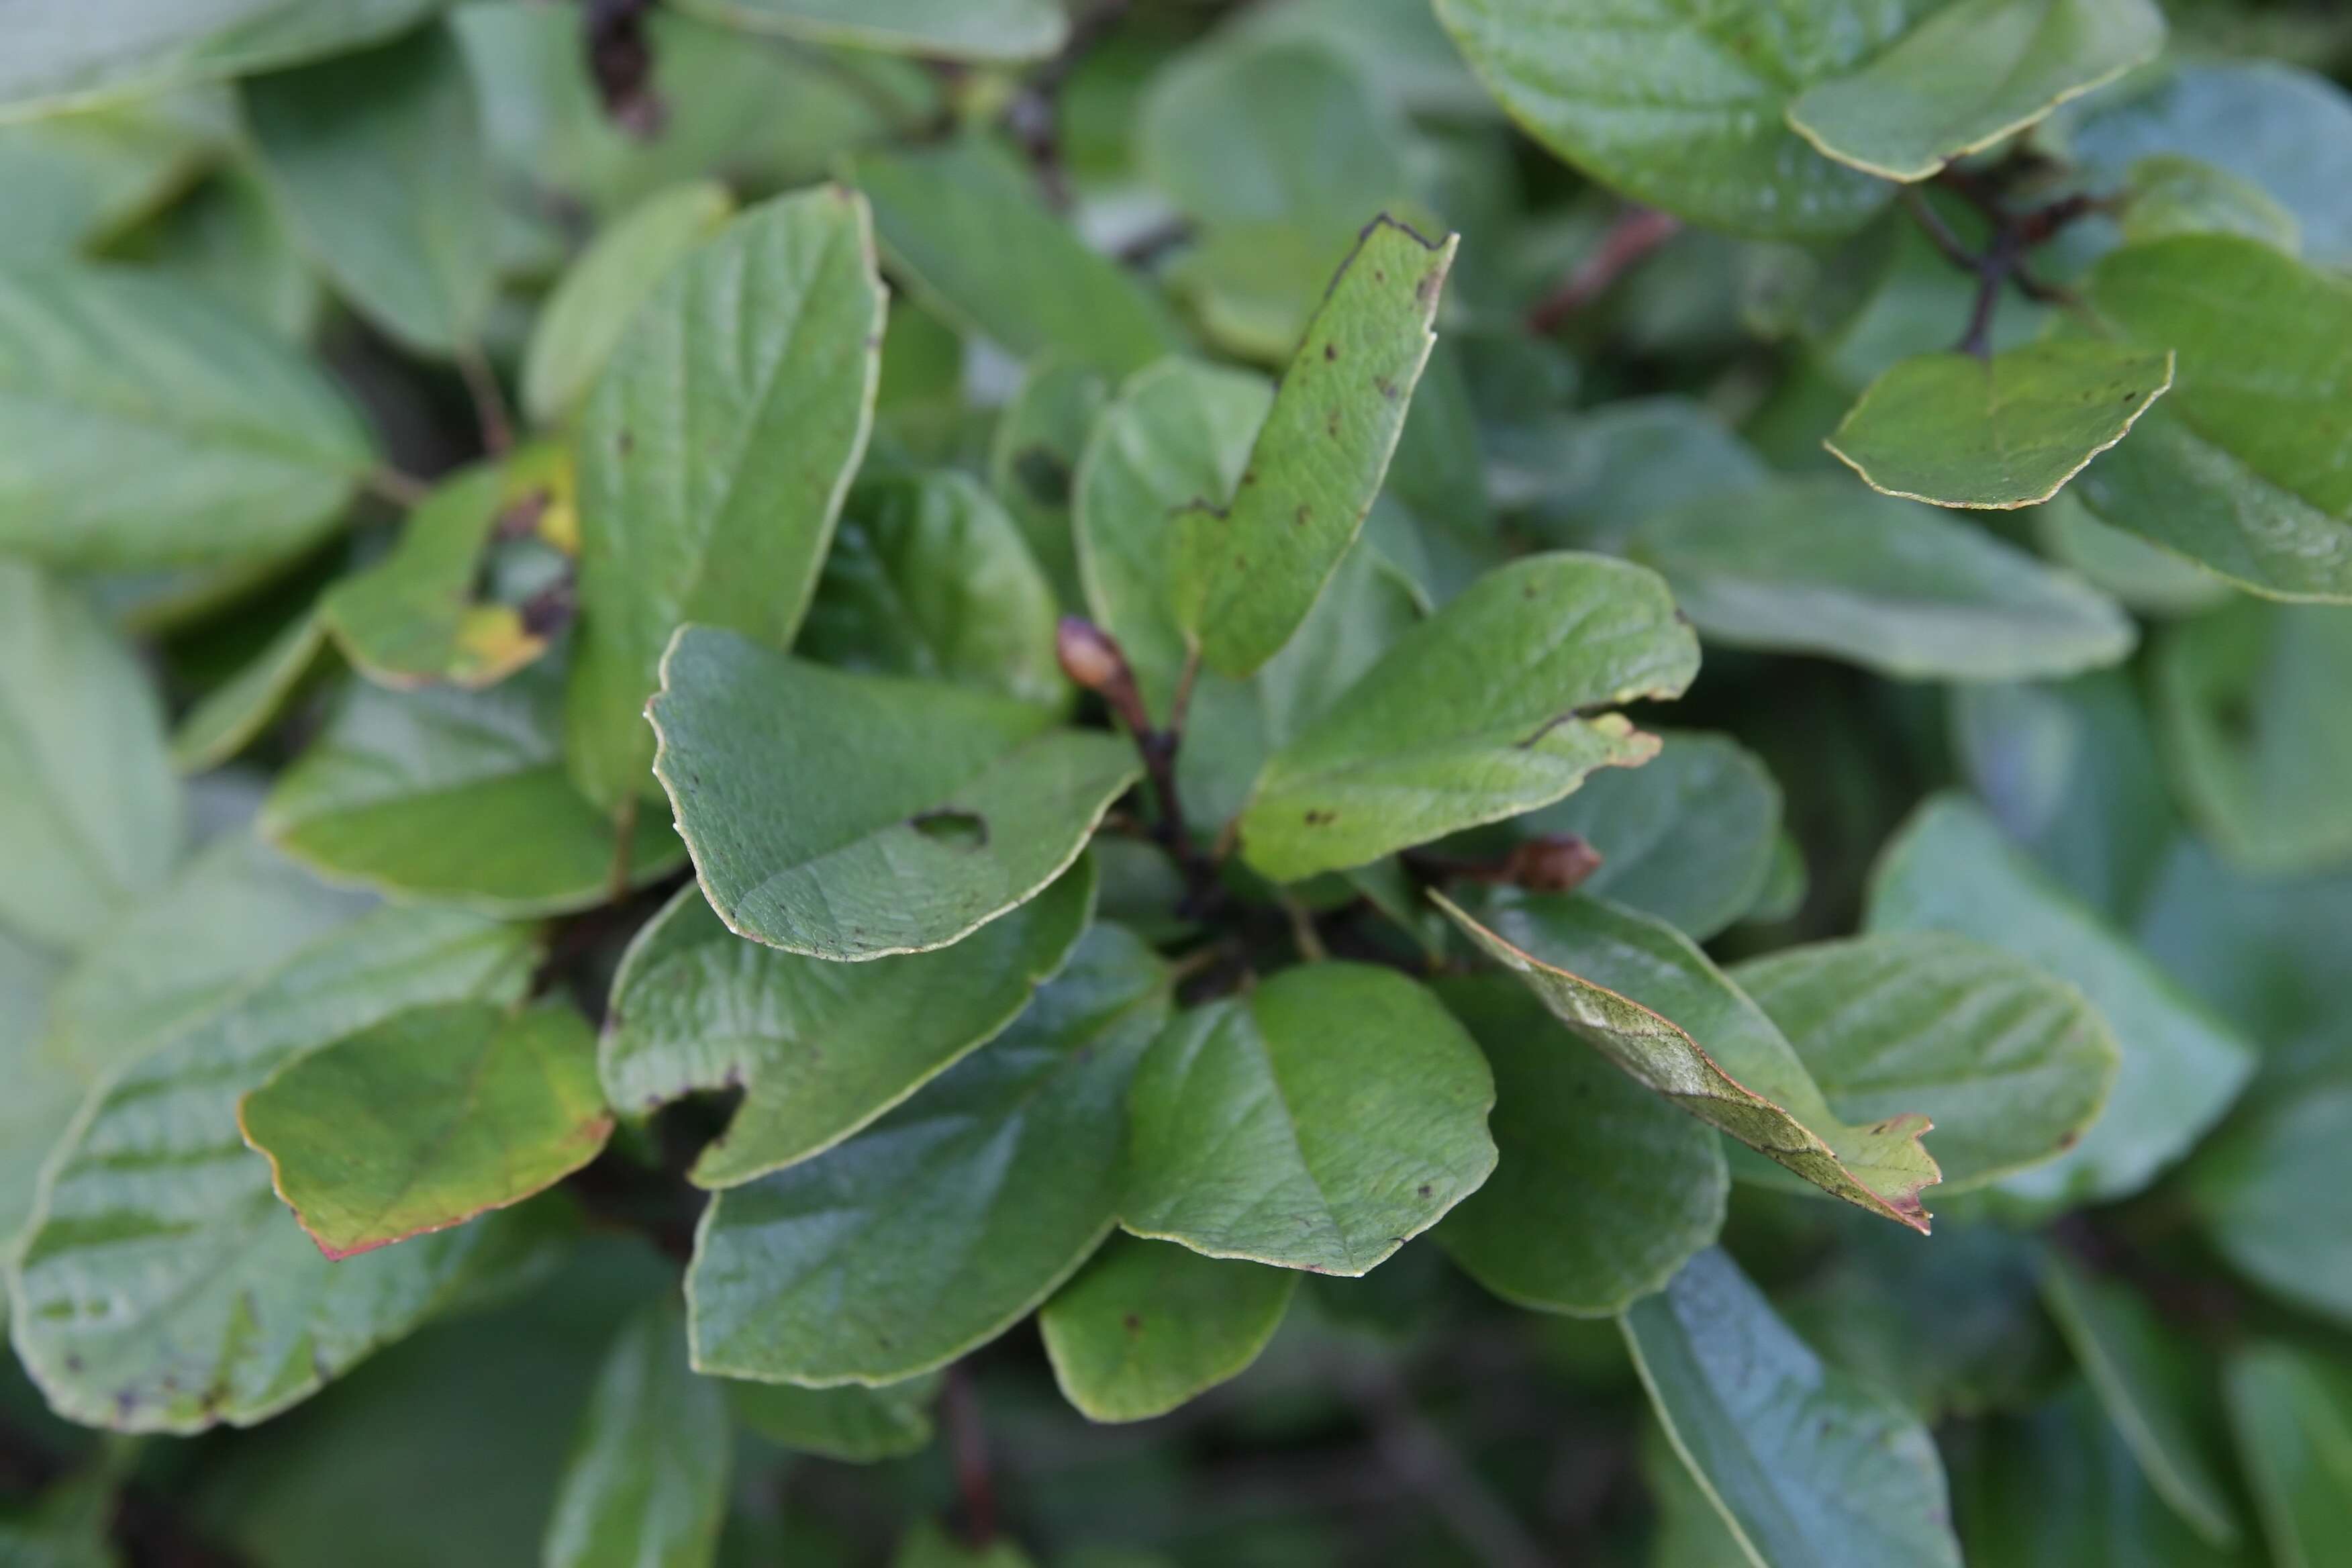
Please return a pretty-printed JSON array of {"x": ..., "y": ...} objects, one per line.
[
  {"x": 489, "y": 400},
  {"x": 1636, "y": 234},
  {"x": 969, "y": 1442},
  {"x": 1093, "y": 659}
]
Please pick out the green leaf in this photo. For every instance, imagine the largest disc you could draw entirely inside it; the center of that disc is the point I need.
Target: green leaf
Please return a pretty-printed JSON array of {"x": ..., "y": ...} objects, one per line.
[
  {"x": 945, "y": 1223},
  {"x": 2274, "y": 1193},
  {"x": 1033, "y": 461},
  {"x": 1823, "y": 566},
  {"x": 1473, "y": 715},
  {"x": 2144, "y": 575},
  {"x": 819, "y": 1049},
  {"x": 2058, "y": 1489},
  {"x": 413, "y": 618},
  {"x": 378, "y": 161},
  {"x": 2250, "y": 700},
  {"x": 2010, "y": 1064},
  {"x": 70, "y": 182},
  {"x": 2166, "y": 195},
  {"x": 929, "y": 1546},
  {"x": 159, "y": 1287},
  {"x": 232, "y": 715},
  {"x": 964, "y": 224},
  {"x": 1242, "y": 576},
  {"x": 1240, "y": 129},
  {"x": 928, "y": 576},
  {"x": 2070, "y": 771},
  {"x": 146, "y": 426},
  {"x": 714, "y": 455},
  {"x": 1601, "y": 1191},
  {"x": 1971, "y": 74},
  {"x": 1319, "y": 1122},
  {"x": 1643, "y": 996},
  {"x": 1234, "y": 726},
  {"x": 1149, "y": 1326},
  {"x": 182, "y": 953},
  {"x": 42, "y": 1092},
  {"x": 60, "y": 60},
  {"x": 1683, "y": 110},
  {"x": 992, "y": 31},
  {"x": 2149, "y": 1390},
  {"x": 1949, "y": 869},
  {"x": 427, "y": 1119},
  {"x": 1178, "y": 430},
  {"x": 2292, "y": 1412},
  {"x": 1954, "y": 430},
  {"x": 591, "y": 306},
  {"x": 852, "y": 816},
  {"x": 854, "y": 1424},
  {"x": 1689, "y": 836},
  {"x": 88, "y": 813},
  {"x": 645, "y": 1486},
  {"x": 1810, "y": 1467},
  {"x": 2286, "y": 130},
  {"x": 460, "y": 796},
  {"x": 1584, "y": 480},
  {"x": 2240, "y": 469}
]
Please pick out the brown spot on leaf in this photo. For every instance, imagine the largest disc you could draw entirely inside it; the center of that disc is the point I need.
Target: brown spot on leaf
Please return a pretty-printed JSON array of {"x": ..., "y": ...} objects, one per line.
[
  {"x": 1317, "y": 818},
  {"x": 1388, "y": 388},
  {"x": 1133, "y": 1324},
  {"x": 627, "y": 444},
  {"x": 1304, "y": 513},
  {"x": 1330, "y": 350},
  {"x": 1424, "y": 1189}
]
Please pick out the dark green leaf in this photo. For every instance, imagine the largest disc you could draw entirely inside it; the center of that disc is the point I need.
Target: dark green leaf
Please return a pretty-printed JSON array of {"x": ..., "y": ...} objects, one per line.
[
  {"x": 2010, "y": 1064},
  {"x": 1689, "y": 836},
  {"x": 1949, "y": 869},
  {"x": 1600, "y": 1192},
  {"x": 591, "y": 306},
  {"x": 647, "y": 1484},
  {"x": 1971, "y": 74},
  {"x": 2150, "y": 1388},
  {"x": 942, "y": 1224},
  {"x": 965, "y": 223},
  {"x": 2292, "y": 1412},
  {"x": 161, "y": 1286},
  {"x": 1823, "y": 565},
  {"x": 1320, "y": 1123},
  {"x": 1473, "y": 715},
  {"x": 147, "y": 426},
  {"x": 852, "y": 816},
  {"x": 945, "y": 29},
  {"x": 819, "y": 1049},
  {"x": 377, "y": 159},
  {"x": 2253, "y": 710},
  {"x": 88, "y": 813},
  {"x": 233, "y": 713},
  {"x": 1033, "y": 461},
  {"x": 1177, "y": 432},
  {"x": 1148, "y": 1326},
  {"x": 2239, "y": 471},
  {"x": 714, "y": 455},
  {"x": 2274, "y": 1193},
  {"x": 1810, "y": 1468},
  {"x": 928, "y": 576},
  {"x": 461, "y": 796},
  {"x": 854, "y": 1424},
  {"x": 59, "y": 60},
  {"x": 1683, "y": 110},
  {"x": 1956, "y": 430},
  {"x": 1244, "y": 575}
]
